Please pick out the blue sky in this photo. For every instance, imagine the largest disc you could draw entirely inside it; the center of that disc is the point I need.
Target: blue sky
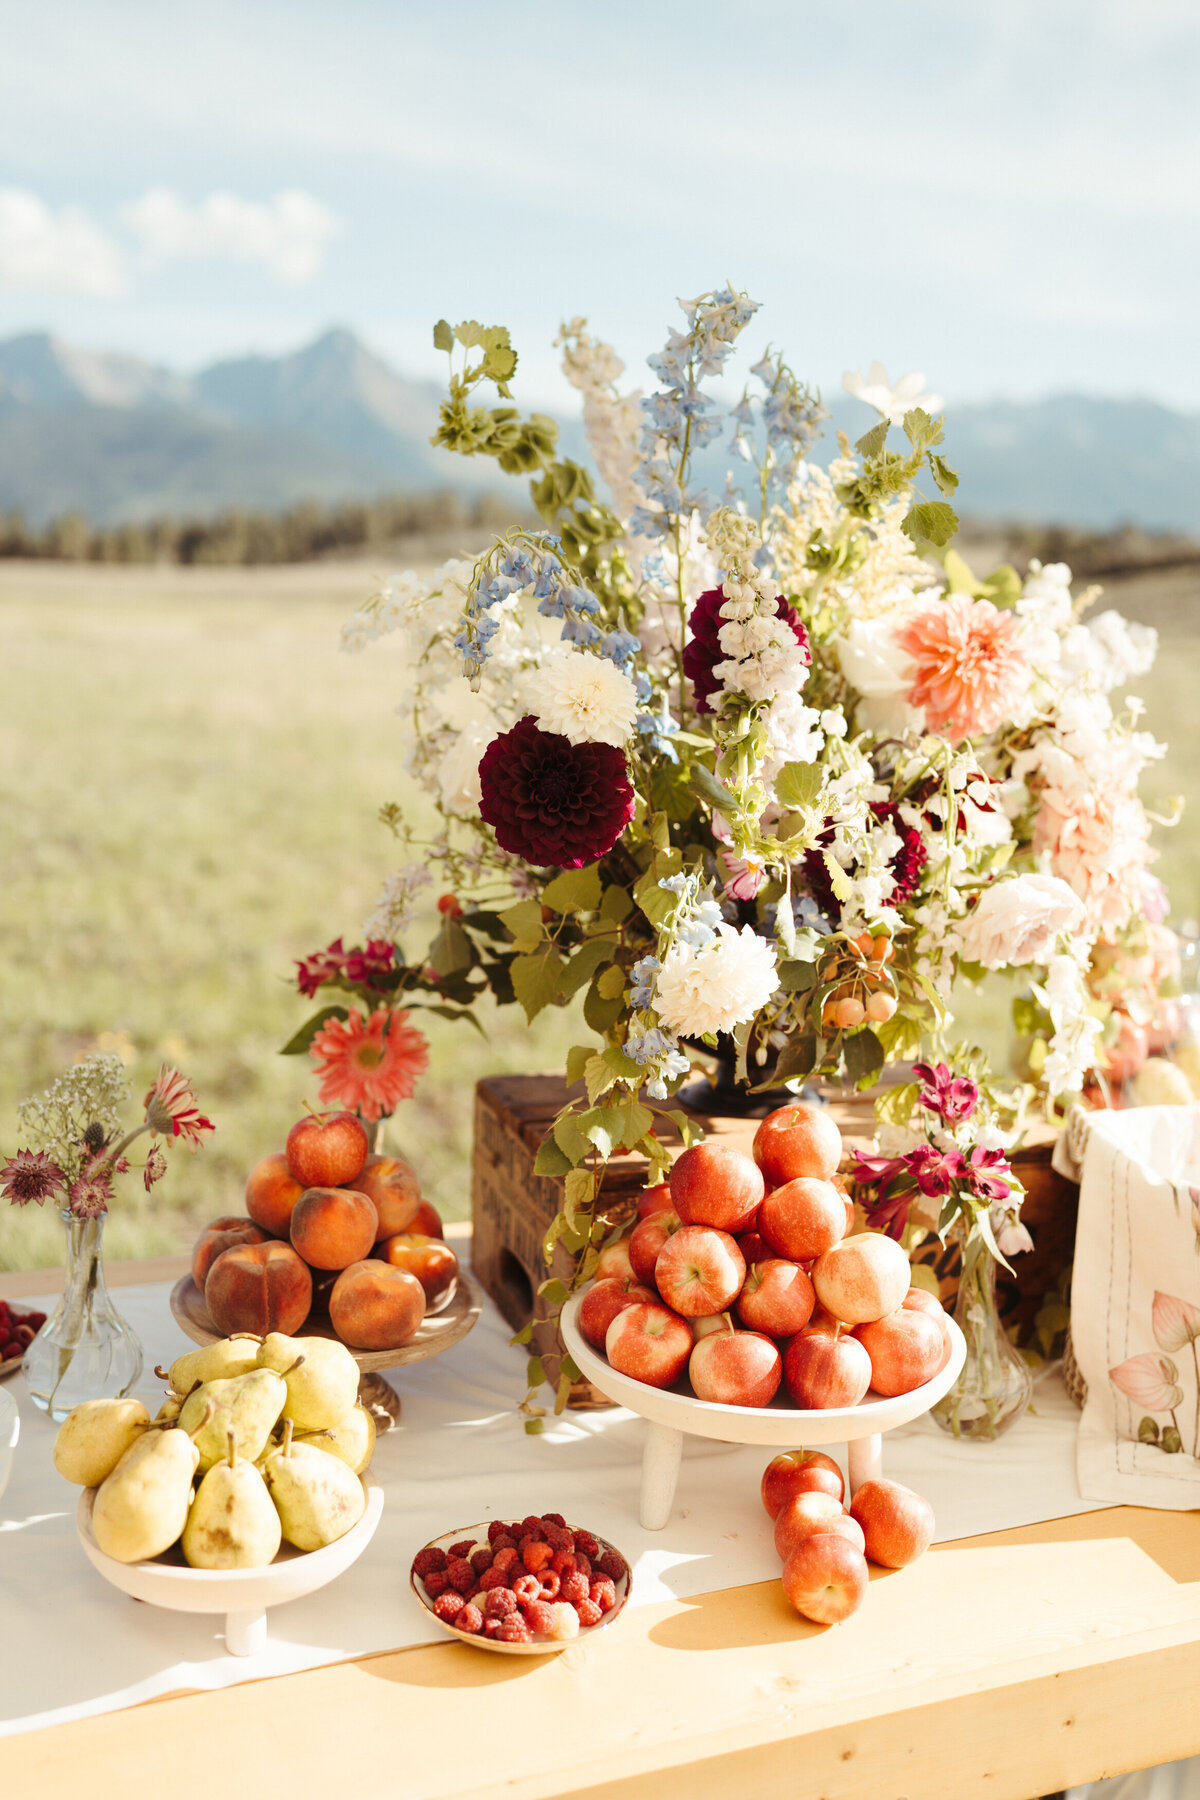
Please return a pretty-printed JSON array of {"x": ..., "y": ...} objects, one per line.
[{"x": 1005, "y": 197}]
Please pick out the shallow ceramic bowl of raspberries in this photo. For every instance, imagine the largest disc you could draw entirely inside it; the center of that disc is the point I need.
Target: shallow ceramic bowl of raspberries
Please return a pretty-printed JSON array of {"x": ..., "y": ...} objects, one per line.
[{"x": 526, "y": 1587}]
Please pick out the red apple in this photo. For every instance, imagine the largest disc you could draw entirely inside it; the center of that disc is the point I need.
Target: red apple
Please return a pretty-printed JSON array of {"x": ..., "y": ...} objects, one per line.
[
  {"x": 601, "y": 1304},
  {"x": 714, "y": 1184},
  {"x": 800, "y": 1515},
  {"x": 825, "y": 1578},
  {"x": 735, "y": 1368},
  {"x": 797, "y": 1140},
  {"x": 803, "y": 1219},
  {"x": 649, "y": 1343},
  {"x": 709, "y": 1322},
  {"x": 824, "y": 1371},
  {"x": 614, "y": 1263},
  {"x": 795, "y": 1472},
  {"x": 653, "y": 1200},
  {"x": 906, "y": 1350},
  {"x": 777, "y": 1297},
  {"x": 862, "y": 1278},
  {"x": 327, "y": 1150},
  {"x": 922, "y": 1301},
  {"x": 753, "y": 1246},
  {"x": 897, "y": 1523},
  {"x": 699, "y": 1270},
  {"x": 648, "y": 1238}
]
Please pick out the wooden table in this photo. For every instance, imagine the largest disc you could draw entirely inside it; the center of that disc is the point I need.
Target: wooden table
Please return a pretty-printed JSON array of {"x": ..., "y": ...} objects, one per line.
[{"x": 1009, "y": 1666}]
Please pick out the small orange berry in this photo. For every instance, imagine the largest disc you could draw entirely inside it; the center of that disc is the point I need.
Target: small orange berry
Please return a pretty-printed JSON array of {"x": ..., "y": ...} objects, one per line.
[{"x": 449, "y": 905}]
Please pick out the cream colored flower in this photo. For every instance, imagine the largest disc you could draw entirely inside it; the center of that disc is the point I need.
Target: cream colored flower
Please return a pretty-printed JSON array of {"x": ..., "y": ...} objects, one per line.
[
  {"x": 583, "y": 698},
  {"x": 717, "y": 987},
  {"x": 1019, "y": 921}
]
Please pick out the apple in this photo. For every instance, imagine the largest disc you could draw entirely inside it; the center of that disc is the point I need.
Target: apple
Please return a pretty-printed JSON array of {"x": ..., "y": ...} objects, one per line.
[
  {"x": 795, "y": 1472},
  {"x": 649, "y": 1343},
  {"x": 735, "y": 1368},
  {"x": 797, "y": 1140},
  {"x": 648, "y": 1238},
  {"x": 823, "y": 1370},
  {"x": 753, "y": 1246},
  {"x": 825, "y": 1578},
  {"x": 601, "y": 1304},
  {"x": 800, "y": 1515},
  {"x": 430, "y": 1259},
  {"x": 614, "y": 1264},
  {"x": 699, "y": 1270},
  {"x": 653, "y": 1200},
  {"x": 710, "y": 1322},
  {"x": 777, "y": 1297},
  {"x": 897, "y": 1523},
  {"x": 921, "y": 1300},
  {"x": 803, "y": 1218},
  {"x": 327, "y": 1149},
  {"x": 714, "y": 1184},
  {"x": 862, "y": 1278},
  {"x": 906, "y": 1350}
]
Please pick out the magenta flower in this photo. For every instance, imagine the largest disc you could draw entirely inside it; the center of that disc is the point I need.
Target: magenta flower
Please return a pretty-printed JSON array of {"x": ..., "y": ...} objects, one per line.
[
  {"x": 325, "y": 965},
  {"x": 155, "y": 1166},
  {"x": 953, "y": 1097},
  {"x": 988, "y": 1174},
  {"x": 551, "y": 802},
  {"x": 935, "y": 1171},
  {"x": 372, "y": 966},
  {"x": 31, "y": 1175},
  {"x": 702, "y": 654},
  {"x": 1151, "y": 1380}
]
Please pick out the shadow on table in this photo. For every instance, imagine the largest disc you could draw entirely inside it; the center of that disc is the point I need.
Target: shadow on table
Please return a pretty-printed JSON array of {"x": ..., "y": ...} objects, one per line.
[
  {"x": 452, "y": 1665},
  {"x": 738, "y": 1618}
]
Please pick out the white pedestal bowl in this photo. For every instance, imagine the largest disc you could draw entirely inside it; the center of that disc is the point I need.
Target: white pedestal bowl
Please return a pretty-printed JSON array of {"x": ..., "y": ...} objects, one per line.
[
  {"x": 671, "y": 1415},
  {"x": 10, "y": 1431}
]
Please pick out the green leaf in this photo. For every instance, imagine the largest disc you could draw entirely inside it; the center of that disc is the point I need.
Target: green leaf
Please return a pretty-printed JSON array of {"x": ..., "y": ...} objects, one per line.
[
  {"x": 443, "y": 335},
  {"x": 562, "y": 1395},
  {"x": 447, "y": 1012},
  {"x": 535, "y": 979},
  {"x": 535, "y": 1374},
  {"x": 553, "y": 1292},
  {"x": 895, "y": 1105},
  {"x": 920, "y": 430},
  {"x": 570, "y": 1367},
  {"x": 960, "y": 577},
  {"x": 610, "y": 984},
  {"x": 470, "y": 333},
  {"x": 932, "y": 522},
  {"x": 578, "y": 1057},
  {"x": 616, "y": 904},
  {"x": 798, "y": 1057},
  {"x": 685, "y": 1126},
  {"x": 580, "y": 968},
  {"x": 797, "y": 977},
  {"x": 621, "y": 1064},
  {"x": 658, "y": 903},
  {"x": 534, "y": 1427},
  {"x": 573, "y": 1143},
  {"x": 598, "y": 1078},
  {"x": 943, "y": 474},
  {"x": 839, "y": 881},
  {"x": 451, "y": 948},
  {"x": 706, "y": 787},
  {"x": 579, "y": 1191},
  {"x": 864, "y": 1057},
  {"x": 550, "y": 1160},
  {"x": 1002, "y": 587},
  {"x": 574, "y": 890},
  {"x": 523, "y": 1336},
  {"x": 297, "y": 1045},
  {"x": 524, "y": 923},
  {"x": 600, "y": 1013},
  {"x": 871, "y": 443},
  {"x": 799, "y": 784}
]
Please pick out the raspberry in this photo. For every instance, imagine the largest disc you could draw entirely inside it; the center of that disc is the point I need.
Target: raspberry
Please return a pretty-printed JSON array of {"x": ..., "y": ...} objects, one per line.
[
  {"x": 480, "y": 1560},
  {"x": 15, "y": 1348},
  {"x": 448, "y": 1606},
  {"x": 506, "y": 1541},
  {"x": 539, "y": 1616},
  {"x": 462, "y": 1549},
  {"x": 500, "y": 1601},
  {"x": 586, "y": 1542},
  {"x": 603, "y": 1593},
  {"x": 428, "y": 1560},
  {"x": 496, "y": 1528},
  {"x": 550, "y": 1584},
  {"x": 583, "y": 1565},
  {"x": 507, "y": 1558},
  {"x": 514, "y": 1630},
  {"x": 470, "y": 1619},
  {"x": 527, "y": 1588},
  {"x": 564, "y": 1562},
  {"x": 537, "y": 1557},
  {"x": 589, "y": 1612},
  {"x": 460, "y": 1575},
  {"x": 574, "y": 1588},
  {"x": 531, "y": 1526},
  {"x": 36, "y": 1319},
  {"x": 492, "y": 1627},
  {"x": 559, "y": 1538},
  {"x": 612, "y": 1564},
  {"x": 492, "y": 1578},
  {"x": 435, "y": 1583},
  {"x": 553, "y": 1519}
]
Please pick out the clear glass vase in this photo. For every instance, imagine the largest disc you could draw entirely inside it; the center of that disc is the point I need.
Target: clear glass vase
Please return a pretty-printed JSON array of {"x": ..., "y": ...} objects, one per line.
[
  {"x": 85, "y": 1350},
  {"x": 996, "y": 1385}
]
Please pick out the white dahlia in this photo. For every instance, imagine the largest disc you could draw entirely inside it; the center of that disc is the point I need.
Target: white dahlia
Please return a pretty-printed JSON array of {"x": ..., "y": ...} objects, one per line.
[
  {"x": 583, "y": 698},
  {"x": 717, "y": 987}
]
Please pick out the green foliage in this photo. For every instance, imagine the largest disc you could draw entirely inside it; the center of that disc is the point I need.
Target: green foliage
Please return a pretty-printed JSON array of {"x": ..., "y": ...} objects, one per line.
[
  {"x": 574, "y": 890},
  {"x": 298, "y": 1044},
  {"x": 535, "y": 979},
  {"x": 931, "y": 521}
]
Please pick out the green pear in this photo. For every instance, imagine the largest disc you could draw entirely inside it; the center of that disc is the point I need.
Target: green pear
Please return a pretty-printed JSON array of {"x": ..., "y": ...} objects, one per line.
[
  {"x": 233, "y": 1523},
  {"x": 352, "y": 1439},
  {"x": 248, "y": 1405},
  {"x": 168, "y": 1413},
  {"x": 94, "y": 1437},
  {"x": 321, "y": 1375},
  {"x": 317, "y": 1497},
  {"x": 142, "y": 1507},
  {"x": 215, "y": 1362}
]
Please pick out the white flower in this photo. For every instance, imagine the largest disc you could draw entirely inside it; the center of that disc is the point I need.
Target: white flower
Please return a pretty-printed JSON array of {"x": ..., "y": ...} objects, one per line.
[
  {"x": 583, "y": 698},
  {"x": 473, "y": 725},
  {"x": 874, "y": 663},
  {"x": 892, "y": 401},
  {"x": 1018, "y": 921},
  {"x": 718, "y": 987},
  {"x": 395, "y": 909}
]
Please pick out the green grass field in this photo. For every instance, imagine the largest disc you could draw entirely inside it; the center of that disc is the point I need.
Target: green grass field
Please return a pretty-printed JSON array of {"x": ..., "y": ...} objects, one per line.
[{"x": 190, "y": 773}]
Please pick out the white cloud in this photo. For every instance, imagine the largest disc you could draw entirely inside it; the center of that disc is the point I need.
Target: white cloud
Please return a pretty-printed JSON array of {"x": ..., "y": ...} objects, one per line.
[
  {"x": 288, "y": 234},
  {"x": 65, "y": 250}
]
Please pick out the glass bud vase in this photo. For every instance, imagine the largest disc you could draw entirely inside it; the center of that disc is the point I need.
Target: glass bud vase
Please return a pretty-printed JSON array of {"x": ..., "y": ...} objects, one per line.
[
  {"x": 85, "y": 1350},
  {"x": 996, "y": 1386}
]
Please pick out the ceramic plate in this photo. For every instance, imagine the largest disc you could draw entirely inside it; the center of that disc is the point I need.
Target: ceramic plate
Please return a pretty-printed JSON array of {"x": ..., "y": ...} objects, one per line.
[{"x": 541, "y": 1646}]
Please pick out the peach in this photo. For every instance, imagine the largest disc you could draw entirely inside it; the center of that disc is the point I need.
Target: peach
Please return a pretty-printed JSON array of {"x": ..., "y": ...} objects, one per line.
[
  {"x": 797, "y": 1140},
  {"x": 823, "y": 1371},
  {"x": 795, "y": 1472},
  {"x": 921, "y": 1300},
  {"x": 825, "y": 1578},
  {"x": 735, "y": 1368},
  {"x": 258, "y": 1287},
  {"x": 699, "y": 1270},
  {"x": 648, "y": 1237},
  {"x": 327, "y": 1149},
  {"x": 906, "y": 1350},
  {"x": 430, "y": 1259},
  {"x": 373, "y": 1306},
  {"x": 862, "y": 1278},
  {"x": 222, "y": 1234},
  {"x": 603, "y": 1301},
  {"x": 897, "y": 1523},
  {"x": 649, "y": 1343},
  {"x": 392, "y": 1184},
  {"x": 803, "y": 1219},
  {"x": 777, "y": 1297},
  {"x": 271, "y": 1193},
  {"x": 714, "y": 1184},
  {"x": 614, "y": 1263},
  {"x": 333, "y": 1227}
]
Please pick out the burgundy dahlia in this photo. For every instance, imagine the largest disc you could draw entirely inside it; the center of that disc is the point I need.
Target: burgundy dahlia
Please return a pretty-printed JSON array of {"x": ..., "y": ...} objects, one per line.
[
  {"x": 704, "y": 652},
  {"x": 554, "y": 803}
]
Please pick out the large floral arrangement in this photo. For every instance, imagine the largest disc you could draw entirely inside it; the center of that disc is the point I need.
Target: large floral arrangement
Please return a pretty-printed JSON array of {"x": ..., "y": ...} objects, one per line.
[{"x": 765, "y": 770}]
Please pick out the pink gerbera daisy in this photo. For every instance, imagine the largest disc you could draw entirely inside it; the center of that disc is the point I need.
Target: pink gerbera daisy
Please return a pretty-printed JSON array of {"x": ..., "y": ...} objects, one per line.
[
  {"x": 369, "y": 1065},
  {"x": 171, "y": 1108},
  {"x": 969, "y": 670}
]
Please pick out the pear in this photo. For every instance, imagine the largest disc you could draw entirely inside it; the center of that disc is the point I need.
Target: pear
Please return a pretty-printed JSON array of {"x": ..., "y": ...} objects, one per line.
[
  {"x": 317, "y": 1497},
  {"x": 168, "y": 1413},
  {"x": 215, "y": 1362},
  {"x": 248, "y": 1405},
  {"x": 94, "y": 1437},
  {"x": 352, "y": 1439},
  {"x": 321, "y": 1376},
  {"x": 233, "y": 1523},
  {"x": 142, "y": 1507}
]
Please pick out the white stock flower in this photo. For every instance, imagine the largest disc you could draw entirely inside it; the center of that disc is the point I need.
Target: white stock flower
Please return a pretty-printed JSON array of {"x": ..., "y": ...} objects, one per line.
[
  {"x": 717, "y": 987},
  {"x": 1018, "y": 921},
  {"x": 892, "y": 400},
  {"x": 472, "y": 726},
  {"x": 395, "y": 909},
  {"x": 583, "y": 698}
]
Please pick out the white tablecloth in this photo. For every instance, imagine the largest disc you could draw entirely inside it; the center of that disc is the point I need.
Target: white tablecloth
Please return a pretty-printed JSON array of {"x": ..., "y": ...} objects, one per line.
[{"x": 76, "y": 1646}]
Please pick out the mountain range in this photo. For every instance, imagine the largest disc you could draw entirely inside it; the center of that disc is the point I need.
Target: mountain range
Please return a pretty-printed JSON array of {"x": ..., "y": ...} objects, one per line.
[{"x": 120, "y": 440}]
